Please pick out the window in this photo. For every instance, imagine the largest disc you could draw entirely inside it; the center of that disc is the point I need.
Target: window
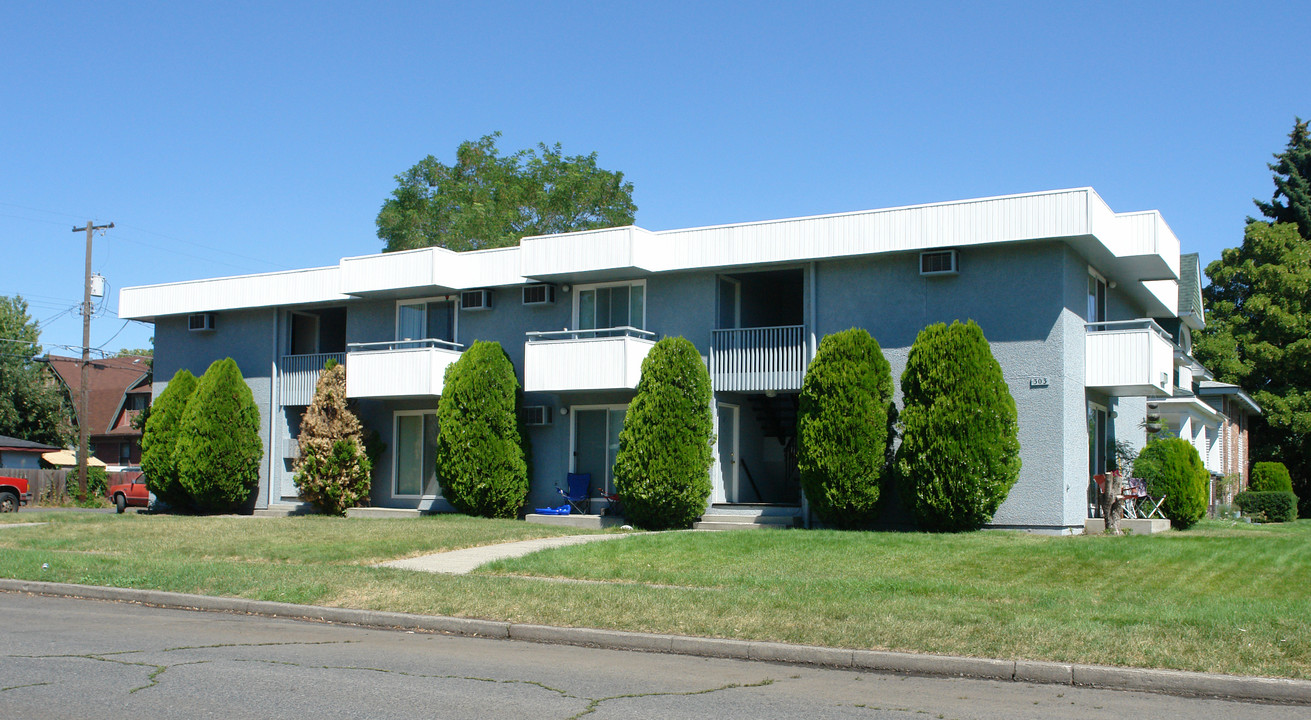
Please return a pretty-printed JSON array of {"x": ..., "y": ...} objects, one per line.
[
  {"x": 415, "y": 472},
  {"x": 137, "y": 401},
  {"x": 124, "y": 453},
  {"x": 596, "y": 442},
  {"x": 1096, "y": 299},
  {"x": 425, "y": 320},
  {"x": 611, "y": 306}
]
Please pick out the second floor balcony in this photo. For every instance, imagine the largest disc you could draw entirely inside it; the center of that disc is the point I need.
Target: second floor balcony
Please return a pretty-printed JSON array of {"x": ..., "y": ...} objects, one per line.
[
  {"x": 399, "y": 368},
  {"x": 573, "y": 360},
  {"x": 1129, "y": 358},
  {"x": 756, "y": 359}
]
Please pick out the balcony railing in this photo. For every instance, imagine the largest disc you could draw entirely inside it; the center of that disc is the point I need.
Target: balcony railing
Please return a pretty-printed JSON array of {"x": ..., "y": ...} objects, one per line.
[
  {"x": 299, "y": 374},
  {"x": 765, "y": 358},
  {"x": 573, "y": 360},
  {"x": 1129, "y": 358},
  {"x": 399, "y": 368}
]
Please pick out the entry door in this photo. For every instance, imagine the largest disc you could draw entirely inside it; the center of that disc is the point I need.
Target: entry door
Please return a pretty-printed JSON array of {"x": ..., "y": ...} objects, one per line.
[
  {"x": 596, "y": 442},
  {"x": 727, "y": 490}
]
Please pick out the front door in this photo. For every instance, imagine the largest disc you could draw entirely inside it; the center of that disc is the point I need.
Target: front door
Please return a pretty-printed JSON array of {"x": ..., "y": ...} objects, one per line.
[
  {"x": 596, "y": 442},
  {"x": 726, "y": 485}
]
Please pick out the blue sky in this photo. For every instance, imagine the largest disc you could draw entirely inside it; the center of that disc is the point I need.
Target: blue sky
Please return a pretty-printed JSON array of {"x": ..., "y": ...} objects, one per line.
[{"x": 229, "y": 138}]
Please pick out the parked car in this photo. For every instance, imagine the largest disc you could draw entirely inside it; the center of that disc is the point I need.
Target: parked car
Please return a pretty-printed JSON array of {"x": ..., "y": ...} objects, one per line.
[
  {"x": 13, "y": 493},
  {"x": 132, "y": 493}
]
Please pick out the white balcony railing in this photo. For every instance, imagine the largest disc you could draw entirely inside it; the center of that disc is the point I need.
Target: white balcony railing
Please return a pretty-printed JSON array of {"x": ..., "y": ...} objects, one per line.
[
  {"x": 571, "y": 360},
  {"x": 1129, "y": 358},
  {"x": 399, "y": 368},
  {"x": 765, "y": 358},
  {"x": 299, "y": 374}
]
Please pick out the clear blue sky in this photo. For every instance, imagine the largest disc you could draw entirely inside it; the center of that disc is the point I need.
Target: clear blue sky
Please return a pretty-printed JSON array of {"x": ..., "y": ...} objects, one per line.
[{"x": 229, "y": 138}]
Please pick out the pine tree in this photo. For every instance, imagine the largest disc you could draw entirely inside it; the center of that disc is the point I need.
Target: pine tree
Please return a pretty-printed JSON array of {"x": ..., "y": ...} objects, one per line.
[
  {"x": 1291, "y": 202},
  {"x": 842, "y": 428},
  {"x": 333, "y": 470},
  {"x": 662, "y": 469},
  {"x": 481, "y": 457},
  {"x": 960, "y": 449},
  {"x": 218, "y": 447},
  {"x": 160, "y": 438}
]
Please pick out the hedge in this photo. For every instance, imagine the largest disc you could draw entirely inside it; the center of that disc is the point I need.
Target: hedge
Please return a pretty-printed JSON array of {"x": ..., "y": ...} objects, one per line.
[
  {"x": 218, "y": 446},
  {"x": 481, "y": 459},
  {"x": 1172, "y": 467},
  {"x": 1270, "y": 477},
  {"x": 842, "y": 428},
  {"x": 1268, "y": 506},
  {"x": 160, "y": 437},
  {"x": 662, "y": 469},
  {"x": 960, "y": 448}
]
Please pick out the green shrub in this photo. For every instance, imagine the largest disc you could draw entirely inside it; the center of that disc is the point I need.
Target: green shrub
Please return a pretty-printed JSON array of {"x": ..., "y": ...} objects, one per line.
[
  {"x": 662, "y": 470},
  {"x": 333, "y": 470},
  {"x": 218, "y": 446},
  {"x": 842, "y": 428},
  {"x": 960, "y": 448},
  {"x": 1270, "y": 477},
  {"x": 97, "y": 480},
  {"x": 160, "y": 438},
  {"x": 1172, "y": 467},
  {"x": 480, "y": 454},
  {"x": 1269, "y": 505}
]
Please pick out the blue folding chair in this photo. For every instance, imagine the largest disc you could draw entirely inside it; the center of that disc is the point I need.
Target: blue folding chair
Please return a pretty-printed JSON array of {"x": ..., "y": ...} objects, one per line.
[{"x": 579, "y": 494}]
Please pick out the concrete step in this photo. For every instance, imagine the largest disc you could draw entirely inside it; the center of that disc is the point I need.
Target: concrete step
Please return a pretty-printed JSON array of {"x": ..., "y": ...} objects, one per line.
[{"x": 743, "y": 522}]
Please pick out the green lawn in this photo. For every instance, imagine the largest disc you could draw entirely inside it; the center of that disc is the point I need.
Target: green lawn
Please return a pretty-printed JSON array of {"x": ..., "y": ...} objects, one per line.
[{"x": 1221, "y": 597}]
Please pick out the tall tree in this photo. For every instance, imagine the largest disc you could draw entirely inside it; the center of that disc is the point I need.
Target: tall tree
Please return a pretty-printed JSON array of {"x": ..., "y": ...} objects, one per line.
[
  {"x": 1291, "y": 202},
  {"x": 486, "y": 200},
  {"x": 32, "y": 407},
  {"x": 1258, "y": 324},
  {"x": 218, "y": 444}
]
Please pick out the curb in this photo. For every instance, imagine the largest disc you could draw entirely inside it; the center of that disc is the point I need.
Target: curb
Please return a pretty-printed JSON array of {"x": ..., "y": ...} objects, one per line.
[{"x": 1175, "y": 682}]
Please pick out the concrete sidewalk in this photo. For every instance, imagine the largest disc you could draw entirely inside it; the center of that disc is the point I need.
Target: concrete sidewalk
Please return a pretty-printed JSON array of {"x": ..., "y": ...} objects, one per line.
[{"x": 459, "y": 562}]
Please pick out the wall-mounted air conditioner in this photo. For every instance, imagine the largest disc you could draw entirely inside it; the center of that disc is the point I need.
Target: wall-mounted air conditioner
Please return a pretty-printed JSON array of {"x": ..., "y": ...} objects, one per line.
[
  {"x": 200, "y": 322},
  {"x": 939, "y": 262},
  {"x": 476, "y": 300},
  {"x": 536, "y": 415},
  {"x": 538, "y": 294}
]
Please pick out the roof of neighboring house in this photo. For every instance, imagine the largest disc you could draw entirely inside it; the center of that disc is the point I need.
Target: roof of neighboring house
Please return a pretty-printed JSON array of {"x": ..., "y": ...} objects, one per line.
[
  {"x": 1211, "y": 388},
  {"x": 110, "y": 379},
  {"x": 1191, "y": 310},
  {"x": 12, "y": 444}
]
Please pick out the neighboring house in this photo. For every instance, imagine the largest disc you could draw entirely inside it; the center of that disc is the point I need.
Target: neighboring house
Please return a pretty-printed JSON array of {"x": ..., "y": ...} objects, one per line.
[
  {"x": 1064, "y": 288},
  {"x": 18, "y": 454},
  {"x": 120, "y": 389}
]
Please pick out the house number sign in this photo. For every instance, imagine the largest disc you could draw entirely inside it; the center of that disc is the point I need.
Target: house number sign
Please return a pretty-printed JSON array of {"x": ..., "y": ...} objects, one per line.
[{"x": 1038, "y": 382}]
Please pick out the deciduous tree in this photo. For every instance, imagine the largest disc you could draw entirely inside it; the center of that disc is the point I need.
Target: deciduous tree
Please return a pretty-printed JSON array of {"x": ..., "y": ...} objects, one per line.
[
  {"x": 32, "y": 406},
  {"x": 486, "y": 200}
]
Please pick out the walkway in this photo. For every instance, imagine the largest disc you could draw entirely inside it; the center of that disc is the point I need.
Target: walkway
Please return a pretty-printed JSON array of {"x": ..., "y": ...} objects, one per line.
[{"x": 459, "y": 562}]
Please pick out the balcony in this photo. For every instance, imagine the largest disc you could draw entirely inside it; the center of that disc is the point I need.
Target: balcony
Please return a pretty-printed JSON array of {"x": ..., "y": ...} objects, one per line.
[
  {"x": 399, "y": 369},
  {"x": 756, "y": 359},
  {"x": 298, "y": 375},
  {"x": 1129, "y": 358},
  {"x": 572, "y": 360}
]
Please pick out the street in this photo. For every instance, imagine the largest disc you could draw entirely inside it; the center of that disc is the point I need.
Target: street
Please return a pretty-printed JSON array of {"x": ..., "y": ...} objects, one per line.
[{"x": 81, "y": 658}]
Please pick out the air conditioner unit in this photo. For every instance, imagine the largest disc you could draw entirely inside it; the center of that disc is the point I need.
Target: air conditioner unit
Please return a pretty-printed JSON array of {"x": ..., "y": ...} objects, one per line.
[
  {"x": 939, "y": 262},
  {"x": 476, "y": 300},
  {"x": 537, "y": 415},
  {"x": 538, "y": 294},
  {"x": 200, "y": 322}
]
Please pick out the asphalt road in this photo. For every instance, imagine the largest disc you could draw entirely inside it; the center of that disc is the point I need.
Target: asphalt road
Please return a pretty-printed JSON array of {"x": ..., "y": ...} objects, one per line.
[{"x": 91, "y": 659}]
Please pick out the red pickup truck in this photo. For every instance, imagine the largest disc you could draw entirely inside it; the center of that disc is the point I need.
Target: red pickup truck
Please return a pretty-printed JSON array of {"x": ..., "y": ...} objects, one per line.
[
  {"x": 13, "y": 493},
  {"x": 133, "y": 492}
]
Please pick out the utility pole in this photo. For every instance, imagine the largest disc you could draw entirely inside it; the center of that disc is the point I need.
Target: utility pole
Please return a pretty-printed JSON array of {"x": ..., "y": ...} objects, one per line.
[{"x": 83, "y": 399}]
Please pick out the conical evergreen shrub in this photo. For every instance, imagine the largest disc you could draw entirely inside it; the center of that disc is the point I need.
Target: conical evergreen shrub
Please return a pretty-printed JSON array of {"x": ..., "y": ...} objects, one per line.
[
  {"x": 160, "y": 438},
  {"x": 960, "y": 449},
  {"x": 480, "y": 450},
  {"x": 842, "y": 428},
  {"x": 662, "y": 469},
  {"x": 1270, "y": 477},
  {"x": 218, "y": 447},
  {"x": 1172, "y": 467},
  {"x": 333, "y": 470}
]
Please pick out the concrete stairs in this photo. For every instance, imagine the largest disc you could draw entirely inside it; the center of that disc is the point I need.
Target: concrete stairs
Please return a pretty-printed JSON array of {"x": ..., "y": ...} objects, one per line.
[{"x": 763, "y": 520}]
